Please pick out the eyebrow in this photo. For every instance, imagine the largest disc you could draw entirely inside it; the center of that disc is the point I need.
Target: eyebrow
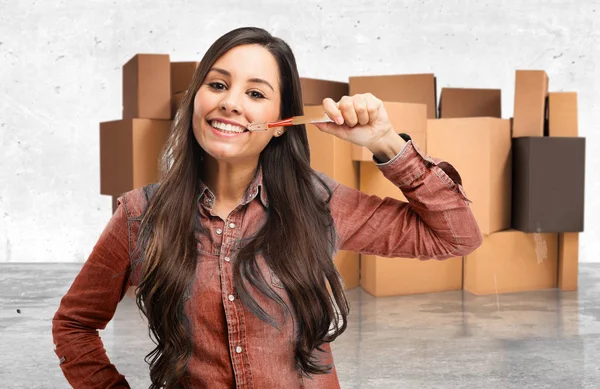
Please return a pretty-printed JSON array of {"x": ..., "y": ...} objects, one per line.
[{"x": 256, "y": 80}]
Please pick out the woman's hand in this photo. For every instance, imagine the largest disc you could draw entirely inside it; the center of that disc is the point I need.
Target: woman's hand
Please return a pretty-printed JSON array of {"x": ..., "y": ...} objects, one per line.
[{"x": 362, "y": 120}]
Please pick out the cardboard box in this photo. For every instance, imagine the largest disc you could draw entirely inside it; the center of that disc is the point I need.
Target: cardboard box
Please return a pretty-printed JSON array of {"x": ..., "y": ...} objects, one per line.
[
  {"x": 548, "y": 184},
  {"x": 381, "y": 276},
  {"x": 470, "y": 103},
  {"x": 480, "y": 150},
  {"x": 531, "y": 94},
  {"x": 403, "y": 88},
  {"x": 314, "y": 91},
  {"x": 405, "y": 118},
  {"x": 563, "y": 114},
  {"x": 347, "y": 264},
  {"x": 130, "y": 150},
  {"x": 332, "y": 156},
  {"x": 512, "y": 261},
  {"x": 181, "y": 75},
  {"x": 176, "y": 100},
  {"x": 147, "y": 87},
  {"x": 568, "y": 261}
]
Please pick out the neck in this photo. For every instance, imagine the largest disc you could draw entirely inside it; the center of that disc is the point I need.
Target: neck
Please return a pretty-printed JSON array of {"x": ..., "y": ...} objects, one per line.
[{"x": 228, "y": 181}]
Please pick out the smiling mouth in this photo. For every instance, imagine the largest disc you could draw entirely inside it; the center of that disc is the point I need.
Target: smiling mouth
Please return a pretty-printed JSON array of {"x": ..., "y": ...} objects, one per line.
[{"x": 227, "y": 128}]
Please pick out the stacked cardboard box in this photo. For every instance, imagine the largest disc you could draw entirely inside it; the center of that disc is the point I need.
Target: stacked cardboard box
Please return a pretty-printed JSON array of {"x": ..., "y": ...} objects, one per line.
[
  {"x": 529, "y": 219},
  {"x": 130, "y": 147},
  {"x": 527, "y": 210}
]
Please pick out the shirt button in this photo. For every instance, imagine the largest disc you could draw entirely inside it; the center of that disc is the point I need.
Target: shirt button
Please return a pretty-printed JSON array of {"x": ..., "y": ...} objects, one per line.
[
  {"x": 227, "y": 259},
  {"x": 231, "y": 298},
  {"x": 231, "y": 225},
  {"x": 219, "y": 231},
  {"x": 238, "y": 349}
]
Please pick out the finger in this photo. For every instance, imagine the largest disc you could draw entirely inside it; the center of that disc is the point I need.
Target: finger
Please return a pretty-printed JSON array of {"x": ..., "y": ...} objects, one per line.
[
  {"x": 332, "y": 110},
  {"x": 346, "y": 106},
  {"x": 360, "y": 107},
  {"x": 373, "y": 106}
]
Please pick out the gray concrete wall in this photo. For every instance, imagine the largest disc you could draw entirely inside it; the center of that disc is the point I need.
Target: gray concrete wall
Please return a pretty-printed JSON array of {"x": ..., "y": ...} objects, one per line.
[{"x": 60, "y": 75}]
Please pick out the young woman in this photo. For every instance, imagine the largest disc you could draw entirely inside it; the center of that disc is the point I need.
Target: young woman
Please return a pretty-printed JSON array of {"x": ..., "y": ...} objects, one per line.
[{"x": 231, "y": 252}]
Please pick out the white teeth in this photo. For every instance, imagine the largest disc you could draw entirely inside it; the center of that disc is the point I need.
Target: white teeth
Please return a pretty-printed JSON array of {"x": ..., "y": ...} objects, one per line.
[{"x": 227, "y": 127}]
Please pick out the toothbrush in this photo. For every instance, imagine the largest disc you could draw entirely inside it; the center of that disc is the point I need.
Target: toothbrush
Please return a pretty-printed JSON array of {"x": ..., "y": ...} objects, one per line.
[{"x": 305, "y": 119}]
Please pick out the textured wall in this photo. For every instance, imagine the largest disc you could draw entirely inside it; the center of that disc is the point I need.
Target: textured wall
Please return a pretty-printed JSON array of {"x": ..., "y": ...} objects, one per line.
[{"x": 60, "y": 75}]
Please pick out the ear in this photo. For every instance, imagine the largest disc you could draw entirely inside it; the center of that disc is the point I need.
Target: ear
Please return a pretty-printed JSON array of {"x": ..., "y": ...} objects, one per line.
[{"x": 279, "y": 131}]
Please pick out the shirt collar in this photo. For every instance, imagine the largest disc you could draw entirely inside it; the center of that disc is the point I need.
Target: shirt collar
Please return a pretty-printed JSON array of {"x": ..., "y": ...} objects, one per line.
[{"x": 255, "y": 188}]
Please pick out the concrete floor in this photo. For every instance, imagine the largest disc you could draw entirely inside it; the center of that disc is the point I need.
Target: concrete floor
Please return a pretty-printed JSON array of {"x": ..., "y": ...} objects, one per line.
[{"x": 544, "y": 339}]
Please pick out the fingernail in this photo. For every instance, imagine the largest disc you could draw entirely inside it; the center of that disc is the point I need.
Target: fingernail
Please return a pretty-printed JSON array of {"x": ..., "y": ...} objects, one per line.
[{"x": 339, "y": 120}]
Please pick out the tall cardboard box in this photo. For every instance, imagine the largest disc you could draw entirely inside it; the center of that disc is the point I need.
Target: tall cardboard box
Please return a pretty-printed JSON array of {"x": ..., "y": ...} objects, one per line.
[
  {"x": 568, "y": 261},
  {"x": 470, "y": 103},
  {"x": 406, "y": 118},
  {"x": 130, "y": 150},
  {"x": 333, "y": 156},
  {"x": 563, "y": 114},
  {"x": 181, "y": 75},
  {"x": 480, "y": 150},
  {"x": 512, "y": 261},
  {"x": 402, "y": 88},
  {"x": 548, "y": 184},
  {"x": 530, "y": 103},
  {"x": 147, "y": 87},
  {"x": 314, "y": 91}
]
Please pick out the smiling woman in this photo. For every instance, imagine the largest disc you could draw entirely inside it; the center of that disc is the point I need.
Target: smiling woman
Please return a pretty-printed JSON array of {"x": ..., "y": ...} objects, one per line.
[{"x": 231, "y": 251}]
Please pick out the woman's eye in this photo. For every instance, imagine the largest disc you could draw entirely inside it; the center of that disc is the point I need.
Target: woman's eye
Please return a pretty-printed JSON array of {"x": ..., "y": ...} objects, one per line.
[
  {"x": 217, "y": 85},
  {"x": 256, "y": 95}
]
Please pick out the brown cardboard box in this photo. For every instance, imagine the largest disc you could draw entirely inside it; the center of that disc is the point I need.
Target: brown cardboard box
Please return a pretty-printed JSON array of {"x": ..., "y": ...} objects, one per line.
[
  {"x": 541, "y": 202},
  {"x": 408, "y": 118},
  {"x": 381, "y": 276},
  {"x": 562, "y": 114},
  {"x": 314, "y": 91},
  {"x": 181, "y": 75},
  {"x": 568, "y": 261},
  {"x": 531, "y": 93},
  {"x": 332, "y": 156},
  {"x": 403, "y": 88},
  {"x": 480, "y": 150},
  {"x": 512, "y": 261},
  {"x": 147, "y": 87},
  {"x": 176, "y": 100},
  {"x": 467, "y": 103},
  {"x": 129, "y": 153}
]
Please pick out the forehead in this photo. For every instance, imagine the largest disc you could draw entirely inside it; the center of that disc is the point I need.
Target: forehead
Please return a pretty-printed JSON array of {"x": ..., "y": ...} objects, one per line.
[{"x": 250, "y": 61}]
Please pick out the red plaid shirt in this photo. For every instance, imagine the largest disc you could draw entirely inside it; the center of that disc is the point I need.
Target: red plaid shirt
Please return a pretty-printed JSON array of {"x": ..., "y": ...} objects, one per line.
[{"x": 232, "y": 347}]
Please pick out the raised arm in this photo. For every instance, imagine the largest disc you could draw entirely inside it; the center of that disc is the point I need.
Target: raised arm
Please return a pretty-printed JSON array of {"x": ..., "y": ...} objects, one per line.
[{"x": 436, "y": 222}]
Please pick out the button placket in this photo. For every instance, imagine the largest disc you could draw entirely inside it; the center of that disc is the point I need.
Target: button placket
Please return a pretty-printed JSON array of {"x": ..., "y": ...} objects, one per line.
[{"x": 233, "y": 313}]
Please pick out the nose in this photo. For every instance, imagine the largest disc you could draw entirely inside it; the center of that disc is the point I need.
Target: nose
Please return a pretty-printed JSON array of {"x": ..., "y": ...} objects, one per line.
[{"x": 231, "y": 103}]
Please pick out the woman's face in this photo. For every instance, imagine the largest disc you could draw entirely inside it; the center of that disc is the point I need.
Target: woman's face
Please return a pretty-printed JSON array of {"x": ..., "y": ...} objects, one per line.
[{"x": 242, "y": 87}]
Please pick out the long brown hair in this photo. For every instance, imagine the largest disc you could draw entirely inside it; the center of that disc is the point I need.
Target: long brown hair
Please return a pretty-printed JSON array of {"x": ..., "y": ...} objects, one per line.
[{"x": 297, "y": 239}]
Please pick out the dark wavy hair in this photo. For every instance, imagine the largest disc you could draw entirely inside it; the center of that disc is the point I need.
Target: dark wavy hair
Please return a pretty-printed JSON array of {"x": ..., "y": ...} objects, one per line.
[{"x": 298, "y": 236}]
